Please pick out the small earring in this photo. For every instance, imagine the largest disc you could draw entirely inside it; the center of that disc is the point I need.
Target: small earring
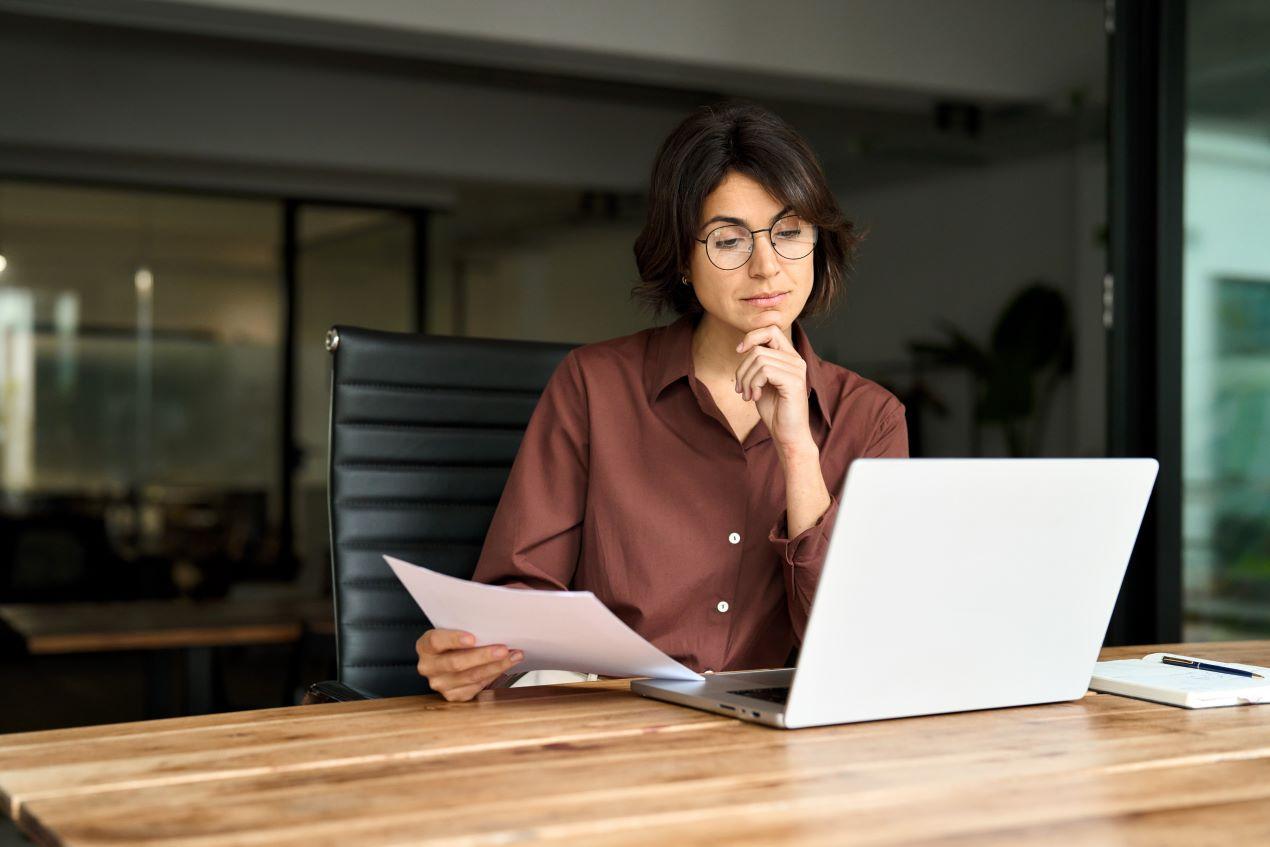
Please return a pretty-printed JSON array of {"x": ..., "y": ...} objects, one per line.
[{"x": 683, "y": 278}]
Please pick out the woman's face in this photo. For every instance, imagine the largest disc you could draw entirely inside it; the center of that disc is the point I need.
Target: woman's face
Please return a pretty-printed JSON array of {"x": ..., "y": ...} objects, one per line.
[{"x": 727, "y": 295}]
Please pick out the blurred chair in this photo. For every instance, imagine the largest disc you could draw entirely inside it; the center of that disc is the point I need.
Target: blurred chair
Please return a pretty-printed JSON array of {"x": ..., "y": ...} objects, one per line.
[{"x": 424, "y": 429}]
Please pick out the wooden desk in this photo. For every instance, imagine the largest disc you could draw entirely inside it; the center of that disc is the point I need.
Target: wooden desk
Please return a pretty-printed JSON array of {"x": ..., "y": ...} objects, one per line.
[
  {"x": 47, "y": 628},
  {"x": 592, "y": 764},
  {"x": 193, "y": 628}
]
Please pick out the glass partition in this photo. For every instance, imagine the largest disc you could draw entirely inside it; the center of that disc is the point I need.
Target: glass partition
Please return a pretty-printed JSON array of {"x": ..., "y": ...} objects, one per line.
[
  {"x": 139, "y": 365},
  {"x": 1226, "y": 314}
]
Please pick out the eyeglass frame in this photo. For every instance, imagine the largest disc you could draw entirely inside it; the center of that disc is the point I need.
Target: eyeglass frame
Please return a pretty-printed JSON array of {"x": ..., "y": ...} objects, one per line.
[{"x": 753, "y": 233}]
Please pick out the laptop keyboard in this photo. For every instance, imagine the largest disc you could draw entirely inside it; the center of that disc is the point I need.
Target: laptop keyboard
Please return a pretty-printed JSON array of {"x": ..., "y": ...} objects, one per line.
[{"x": 772, "y": 695}]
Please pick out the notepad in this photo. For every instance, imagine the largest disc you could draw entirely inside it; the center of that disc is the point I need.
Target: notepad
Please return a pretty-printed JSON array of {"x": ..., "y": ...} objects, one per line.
[{"x": 1150, "y": 679}]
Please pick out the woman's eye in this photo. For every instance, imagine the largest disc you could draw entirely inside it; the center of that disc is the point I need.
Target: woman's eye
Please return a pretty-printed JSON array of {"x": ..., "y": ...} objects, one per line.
[
  {"x": 727, "y": 243},
  {"x": 789, "y": 233}
]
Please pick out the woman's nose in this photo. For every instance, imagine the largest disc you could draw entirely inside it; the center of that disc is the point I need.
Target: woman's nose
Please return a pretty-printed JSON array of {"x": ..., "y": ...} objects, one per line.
[{"x": 764, "y": 261}]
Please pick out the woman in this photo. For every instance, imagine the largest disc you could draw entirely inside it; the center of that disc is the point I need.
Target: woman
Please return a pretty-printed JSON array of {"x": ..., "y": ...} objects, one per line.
[{"x": 686, "y": 474}]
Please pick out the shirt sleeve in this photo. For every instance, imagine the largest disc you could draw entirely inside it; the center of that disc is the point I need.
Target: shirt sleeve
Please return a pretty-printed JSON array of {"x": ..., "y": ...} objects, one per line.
[
  {"x": 535, "y": 536},
  {"x": 803, "y": 556}
]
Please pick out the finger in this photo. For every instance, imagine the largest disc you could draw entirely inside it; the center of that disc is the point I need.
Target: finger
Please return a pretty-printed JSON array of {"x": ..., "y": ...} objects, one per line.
[
  {"x": 484, "y": 674},
  {"x": 455, "y": 661},
  {"x": 452, "y": 661},
  {"x": 780, "y": 375},
  {"x": 752, "y": 360},
  {"x": 480, "y": 675},
  {"x": 456, "y": 693},
  {"x": 440, "y": 640},
  {"x": 756, "y": 385},
  {"x": 462, "y": 695},
  {"x": 774, "y": 362},
  {"x": 762, "y": 336},
  {"x": 469, "y": 676},
  {"x": 769, "y": 336},
  {"x": 751, "y": 373},
  {"x": 775, "y": 376},
  {"x": 767, "y": 354}
]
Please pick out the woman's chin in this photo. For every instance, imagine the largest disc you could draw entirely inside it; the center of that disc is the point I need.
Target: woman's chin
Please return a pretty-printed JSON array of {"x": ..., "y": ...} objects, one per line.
[{"x": 764, "y": 317}]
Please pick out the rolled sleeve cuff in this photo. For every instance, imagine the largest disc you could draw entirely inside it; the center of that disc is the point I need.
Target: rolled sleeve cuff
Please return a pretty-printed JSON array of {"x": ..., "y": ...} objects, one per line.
[{"x": 808, "y": 548}]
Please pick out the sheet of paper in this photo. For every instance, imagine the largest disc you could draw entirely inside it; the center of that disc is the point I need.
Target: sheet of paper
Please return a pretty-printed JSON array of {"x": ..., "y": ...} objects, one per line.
[{"x": 556, "y": 630}]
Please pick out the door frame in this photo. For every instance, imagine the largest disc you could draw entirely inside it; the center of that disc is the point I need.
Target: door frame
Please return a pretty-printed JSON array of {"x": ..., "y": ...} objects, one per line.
[{"x": 1146, "y": 155}]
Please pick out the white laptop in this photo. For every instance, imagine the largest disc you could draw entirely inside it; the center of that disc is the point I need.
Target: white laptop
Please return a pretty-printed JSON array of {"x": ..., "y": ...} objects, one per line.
[{"x": 950, "y": 585}]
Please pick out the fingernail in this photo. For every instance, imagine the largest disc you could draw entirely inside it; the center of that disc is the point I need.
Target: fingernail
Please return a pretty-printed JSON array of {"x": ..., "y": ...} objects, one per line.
[
  {"x": 517, "y": 656},
  {"x": 469, "y": 640},
  {"x": 500, "y": 652},
  {"x": 739, "y": 346}
]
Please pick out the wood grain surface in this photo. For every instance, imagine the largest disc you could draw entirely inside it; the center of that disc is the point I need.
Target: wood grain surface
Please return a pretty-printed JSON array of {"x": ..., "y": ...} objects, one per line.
[
  {"x": 591, "y": 763},
  {"x": 48, "y": 628}
]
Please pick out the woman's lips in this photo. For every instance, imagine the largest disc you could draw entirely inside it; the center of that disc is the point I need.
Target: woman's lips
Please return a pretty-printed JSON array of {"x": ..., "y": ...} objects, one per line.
[{"x": 768, "y": 302}]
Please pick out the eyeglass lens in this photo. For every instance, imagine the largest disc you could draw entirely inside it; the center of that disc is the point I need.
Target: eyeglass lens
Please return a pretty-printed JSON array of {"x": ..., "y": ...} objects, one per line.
[{"x": 729, "y": 247}]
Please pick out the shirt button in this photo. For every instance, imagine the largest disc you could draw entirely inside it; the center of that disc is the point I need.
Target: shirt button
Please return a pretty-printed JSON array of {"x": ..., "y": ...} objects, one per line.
[
  {"x": 735, "y": 538},
  {"x": 707, "y": 670},
  {"x": 723, "y": 606}
]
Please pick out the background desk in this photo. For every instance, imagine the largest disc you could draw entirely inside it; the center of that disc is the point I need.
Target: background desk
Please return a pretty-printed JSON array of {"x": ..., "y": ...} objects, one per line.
[
  {"x": 590, "y": 764},
  {"x": 189, "y": 629}
]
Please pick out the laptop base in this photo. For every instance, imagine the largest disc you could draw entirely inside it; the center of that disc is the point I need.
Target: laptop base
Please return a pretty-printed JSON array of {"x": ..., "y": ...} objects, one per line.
[{"x": 717, "y": 694}]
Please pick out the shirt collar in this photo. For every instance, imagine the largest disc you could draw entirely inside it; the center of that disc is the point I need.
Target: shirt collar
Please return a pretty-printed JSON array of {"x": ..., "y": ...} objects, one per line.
[{"x": 669, "y": 358}]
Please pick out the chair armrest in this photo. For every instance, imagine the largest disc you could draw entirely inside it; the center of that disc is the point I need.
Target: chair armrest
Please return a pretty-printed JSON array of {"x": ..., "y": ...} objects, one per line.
[{"x": 334, "y": 691}]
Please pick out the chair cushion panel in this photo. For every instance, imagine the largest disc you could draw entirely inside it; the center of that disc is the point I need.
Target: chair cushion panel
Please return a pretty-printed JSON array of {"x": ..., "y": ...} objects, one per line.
[
  {"x": 401, "y": 358},
  {"x": 477, "y": 484},
  {"x": 367, "y": 528},
  {"x": 375, "y": 608},
  {"x": 432, "y": 404},
  {"x": 365, "y": 563},
  {"x": 389, "y": 443}
]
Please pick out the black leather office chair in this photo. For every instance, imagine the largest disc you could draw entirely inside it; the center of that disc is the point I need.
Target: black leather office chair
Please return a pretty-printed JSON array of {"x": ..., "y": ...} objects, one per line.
[{"x": 424, "y": 429}]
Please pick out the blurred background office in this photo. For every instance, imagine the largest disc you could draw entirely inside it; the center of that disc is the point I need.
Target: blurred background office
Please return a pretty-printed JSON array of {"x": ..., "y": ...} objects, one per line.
[{"x": 1067, "y": 204}]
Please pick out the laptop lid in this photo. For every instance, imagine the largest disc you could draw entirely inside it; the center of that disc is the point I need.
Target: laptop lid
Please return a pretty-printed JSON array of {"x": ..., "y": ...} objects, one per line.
[{"x": 957, "y": 584}]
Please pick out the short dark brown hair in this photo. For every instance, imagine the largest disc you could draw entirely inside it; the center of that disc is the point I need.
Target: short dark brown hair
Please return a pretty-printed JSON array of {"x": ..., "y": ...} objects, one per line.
[{"x": 735, "y": 136}]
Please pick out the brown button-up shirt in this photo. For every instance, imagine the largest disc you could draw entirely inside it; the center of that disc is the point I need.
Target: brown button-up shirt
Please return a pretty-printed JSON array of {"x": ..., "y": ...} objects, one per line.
[{"x": 631, "y": 484}]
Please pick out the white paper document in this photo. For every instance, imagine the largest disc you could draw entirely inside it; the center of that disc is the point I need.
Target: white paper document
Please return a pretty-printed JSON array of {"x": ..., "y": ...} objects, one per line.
[{"x": 556, "y": 630}]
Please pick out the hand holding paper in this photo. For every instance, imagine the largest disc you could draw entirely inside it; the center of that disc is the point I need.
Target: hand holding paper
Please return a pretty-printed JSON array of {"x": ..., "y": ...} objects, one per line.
[{"x": 556, "y": 630}]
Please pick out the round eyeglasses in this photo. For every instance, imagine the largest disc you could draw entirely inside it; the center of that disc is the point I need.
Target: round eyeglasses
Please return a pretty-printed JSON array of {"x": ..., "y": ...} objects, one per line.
[{"x": 732, "y": 245}]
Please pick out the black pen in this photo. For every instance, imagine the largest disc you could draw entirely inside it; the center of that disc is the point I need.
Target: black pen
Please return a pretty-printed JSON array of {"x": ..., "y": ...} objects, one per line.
[{"x": 1204, "y": 666}]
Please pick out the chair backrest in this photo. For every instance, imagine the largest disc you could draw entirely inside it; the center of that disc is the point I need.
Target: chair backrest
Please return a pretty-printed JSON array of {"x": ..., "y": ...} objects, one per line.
[{"x": 424, "y": 429}]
